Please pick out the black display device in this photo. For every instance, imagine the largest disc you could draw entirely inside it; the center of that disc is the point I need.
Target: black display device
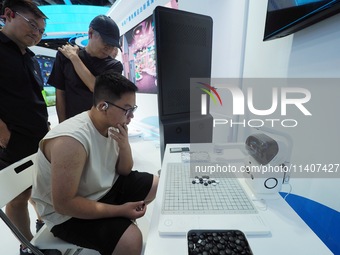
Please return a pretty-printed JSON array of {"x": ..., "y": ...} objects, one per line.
[
  {"x": 183, "y": 51},
  {"x": 286, "y": 17}
]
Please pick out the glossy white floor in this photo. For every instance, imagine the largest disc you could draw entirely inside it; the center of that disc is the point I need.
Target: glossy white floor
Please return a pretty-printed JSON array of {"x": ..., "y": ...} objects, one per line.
[{"x": 9, "y": 245}]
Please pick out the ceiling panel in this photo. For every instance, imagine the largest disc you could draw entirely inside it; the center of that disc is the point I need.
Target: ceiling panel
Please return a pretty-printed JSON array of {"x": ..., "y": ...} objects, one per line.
[
  {"x": 74, "y": 2},
  {"x": 68, "y": 19}
]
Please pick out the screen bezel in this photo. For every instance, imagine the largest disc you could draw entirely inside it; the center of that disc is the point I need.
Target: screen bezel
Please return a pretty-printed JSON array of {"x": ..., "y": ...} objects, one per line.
[{"x": 286, "y": 21}]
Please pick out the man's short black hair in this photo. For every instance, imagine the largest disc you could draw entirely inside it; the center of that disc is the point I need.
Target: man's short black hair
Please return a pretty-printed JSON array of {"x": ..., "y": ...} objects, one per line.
[
  {"x": 23, "y": 6},
  {"x": 110, "y": 86}
]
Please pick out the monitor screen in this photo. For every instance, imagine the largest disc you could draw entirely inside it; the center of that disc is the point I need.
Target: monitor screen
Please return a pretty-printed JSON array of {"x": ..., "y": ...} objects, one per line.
[
  {"x": 289, "y": 16},
  {"x": 138, "y": 56},
  {"x": 46, "y": 64}
]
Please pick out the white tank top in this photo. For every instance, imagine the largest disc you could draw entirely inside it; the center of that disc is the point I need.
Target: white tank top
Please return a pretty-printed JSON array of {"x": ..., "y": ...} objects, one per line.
[{"x": 99, "y": 172}]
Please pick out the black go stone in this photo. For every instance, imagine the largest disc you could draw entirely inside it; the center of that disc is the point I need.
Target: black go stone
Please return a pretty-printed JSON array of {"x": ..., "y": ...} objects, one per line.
[{"x": 217, "y": 242}]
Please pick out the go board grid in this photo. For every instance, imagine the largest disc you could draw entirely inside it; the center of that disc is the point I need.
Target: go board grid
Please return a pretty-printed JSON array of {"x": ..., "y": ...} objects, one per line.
[{"x": 181, "y": 196}]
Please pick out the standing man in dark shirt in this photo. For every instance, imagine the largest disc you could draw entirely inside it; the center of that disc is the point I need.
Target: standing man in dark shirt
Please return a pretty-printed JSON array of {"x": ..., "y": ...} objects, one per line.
[
  {"x": 73, "y": 75},
  {"x": 23, "y": 112}
]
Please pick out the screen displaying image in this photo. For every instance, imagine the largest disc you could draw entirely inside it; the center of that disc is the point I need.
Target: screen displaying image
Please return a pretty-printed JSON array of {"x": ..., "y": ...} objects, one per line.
[
  {"x": 46, "y": 64},
  {"x": 138, "y": 55}
]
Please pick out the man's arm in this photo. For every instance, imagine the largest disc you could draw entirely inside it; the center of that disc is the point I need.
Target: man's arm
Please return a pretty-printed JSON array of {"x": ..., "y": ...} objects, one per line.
[
  {"x": 5, "y": 134},
  {"x": 61, "y": 105},
  {"x": 71, "y": 52},
  {"x": 68, "y": 157}
]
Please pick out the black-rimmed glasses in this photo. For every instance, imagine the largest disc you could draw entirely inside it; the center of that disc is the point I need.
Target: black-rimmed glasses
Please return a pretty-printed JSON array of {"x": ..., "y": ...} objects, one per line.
[
  {"x": 127, "y": 111},
  {"x": 34, "y": 26}
]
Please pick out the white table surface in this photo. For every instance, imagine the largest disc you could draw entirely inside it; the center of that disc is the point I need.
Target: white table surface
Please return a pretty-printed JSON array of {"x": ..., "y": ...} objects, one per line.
[{"x": 290, "y": 235}]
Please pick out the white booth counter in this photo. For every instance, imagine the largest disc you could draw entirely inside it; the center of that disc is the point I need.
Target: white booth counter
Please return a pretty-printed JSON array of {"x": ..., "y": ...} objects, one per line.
[{"x": 289, "y": 234}]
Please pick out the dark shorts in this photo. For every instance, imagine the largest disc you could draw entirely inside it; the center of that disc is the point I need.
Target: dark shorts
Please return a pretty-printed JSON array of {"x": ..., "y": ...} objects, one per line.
[
  {"x": 3, "y": 164},
  {"x": 103, "y": 234}
]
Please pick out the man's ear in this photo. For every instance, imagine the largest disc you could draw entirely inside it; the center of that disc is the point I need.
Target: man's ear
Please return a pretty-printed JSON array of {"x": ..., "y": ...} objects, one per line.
[
  {"x": 102, "y": 106},
  {"x": 90, "y": 33},
  {"x": 8, "y": 14}
]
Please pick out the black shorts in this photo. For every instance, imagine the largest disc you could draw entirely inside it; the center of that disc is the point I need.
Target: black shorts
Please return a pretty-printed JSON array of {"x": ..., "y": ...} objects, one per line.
[
  {"x": 3, "y": 164},
  {"x": 103, "y": 234}
]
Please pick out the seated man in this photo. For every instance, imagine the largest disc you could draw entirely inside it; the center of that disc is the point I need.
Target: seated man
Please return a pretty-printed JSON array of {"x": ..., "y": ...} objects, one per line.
[{"x": 84, "y": 187}]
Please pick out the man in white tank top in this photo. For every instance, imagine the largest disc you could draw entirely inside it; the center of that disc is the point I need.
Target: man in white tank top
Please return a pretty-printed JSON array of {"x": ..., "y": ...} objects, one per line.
[{"x": 85, "y": 188}]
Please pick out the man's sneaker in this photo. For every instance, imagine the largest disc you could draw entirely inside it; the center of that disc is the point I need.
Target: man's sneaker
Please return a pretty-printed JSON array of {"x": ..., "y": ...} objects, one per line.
[
  {"x": 38, "y": 225},
  {"x": 27, "y": 251}
]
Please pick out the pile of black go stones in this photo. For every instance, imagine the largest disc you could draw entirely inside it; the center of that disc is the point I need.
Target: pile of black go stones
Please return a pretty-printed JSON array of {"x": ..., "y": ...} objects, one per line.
[{"x": 210, "y": 242}]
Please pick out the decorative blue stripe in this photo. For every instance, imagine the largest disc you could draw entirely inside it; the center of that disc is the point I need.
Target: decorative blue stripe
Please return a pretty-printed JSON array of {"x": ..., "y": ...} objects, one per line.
[{"x": 323, "y": 220}]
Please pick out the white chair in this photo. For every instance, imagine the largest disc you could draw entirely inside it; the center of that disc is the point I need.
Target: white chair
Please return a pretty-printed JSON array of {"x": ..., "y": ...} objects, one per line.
[{"x": 15, "y": 179}]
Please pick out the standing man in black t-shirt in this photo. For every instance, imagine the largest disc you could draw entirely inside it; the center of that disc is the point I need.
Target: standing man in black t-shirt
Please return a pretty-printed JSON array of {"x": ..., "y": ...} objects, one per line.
[
  {"x": 23, "y": 112},
  {"x": 73, "y": 75}
]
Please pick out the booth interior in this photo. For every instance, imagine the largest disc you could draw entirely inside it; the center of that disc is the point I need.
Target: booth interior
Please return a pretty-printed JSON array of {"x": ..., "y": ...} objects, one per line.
[{"x": 237, "y": 113}]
